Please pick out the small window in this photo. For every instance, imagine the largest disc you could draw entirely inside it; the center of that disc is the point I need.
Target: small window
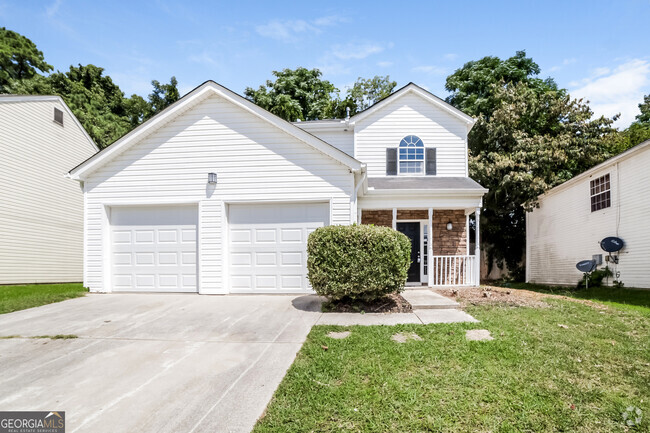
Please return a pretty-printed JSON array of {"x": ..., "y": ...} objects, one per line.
[
  {"x": 411, "y": 155},
  {"x": 58, "y": 116},
  {"x": 600, "y": 193}
]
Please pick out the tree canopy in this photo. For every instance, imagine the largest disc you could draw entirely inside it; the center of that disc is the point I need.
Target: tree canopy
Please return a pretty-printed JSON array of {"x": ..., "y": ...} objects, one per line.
[
  {"x": 19, "y": 58},
  {"x": 97, "y": 101},
  {"x": 295, "y": 94},
  {"x": 529, "y": 137},
  {"x": 302, "y": 94}
]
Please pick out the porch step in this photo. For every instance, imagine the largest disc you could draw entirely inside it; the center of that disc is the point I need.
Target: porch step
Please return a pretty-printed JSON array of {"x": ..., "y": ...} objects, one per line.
[{"x": 425, "y": 299}]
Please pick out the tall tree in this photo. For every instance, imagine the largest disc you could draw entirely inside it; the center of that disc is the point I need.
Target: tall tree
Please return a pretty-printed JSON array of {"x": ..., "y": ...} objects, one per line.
[
  {"x": 295, "y": 94},
  {"x": 99, "y": 103},
  {"x": 638, "y": 131},
  {"x": 19, "y": 58},
  {"x": 364, "y": 93},
  {"x": 530, "y": 136},
  {"x": 473, "y": 85}
]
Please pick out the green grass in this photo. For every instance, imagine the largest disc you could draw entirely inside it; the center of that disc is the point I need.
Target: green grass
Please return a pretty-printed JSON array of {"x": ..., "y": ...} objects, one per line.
[
  {"x": 14, "y": 298},
  {"x": 535, "y": 376},
  {"x": 626, "y": 298}
]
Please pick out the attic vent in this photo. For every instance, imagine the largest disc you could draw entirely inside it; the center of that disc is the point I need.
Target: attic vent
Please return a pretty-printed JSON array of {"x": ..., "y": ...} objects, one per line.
[{"x": 58, "y": 116}]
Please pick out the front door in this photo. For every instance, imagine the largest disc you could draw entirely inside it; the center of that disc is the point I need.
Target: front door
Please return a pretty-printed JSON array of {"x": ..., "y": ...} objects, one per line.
[{"x": 412, "y": 231}]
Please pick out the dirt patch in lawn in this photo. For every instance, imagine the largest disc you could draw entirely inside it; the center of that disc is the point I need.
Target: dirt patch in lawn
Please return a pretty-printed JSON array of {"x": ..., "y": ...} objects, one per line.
[
  {"x": 486, "y": 295},
  {"x": 393, "y": 303}
]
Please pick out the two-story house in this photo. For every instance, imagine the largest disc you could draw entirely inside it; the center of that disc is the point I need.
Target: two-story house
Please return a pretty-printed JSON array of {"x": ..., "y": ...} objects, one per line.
[{"x": 217, "y": 195}]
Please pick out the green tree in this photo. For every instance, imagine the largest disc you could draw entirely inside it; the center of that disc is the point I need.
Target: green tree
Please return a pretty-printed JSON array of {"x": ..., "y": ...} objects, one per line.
[
  {"x": 99, "y": 103},
  {"x": 364, "y": 93},
  {"x": 473, "y": 86},
  {"x": 531, "y": 142},
  {"x": 19, "y": 58},
  {"x": 295, "y": 94},
  {"x": 530, "y": 136},
  {"x": 638, "y": 131}
]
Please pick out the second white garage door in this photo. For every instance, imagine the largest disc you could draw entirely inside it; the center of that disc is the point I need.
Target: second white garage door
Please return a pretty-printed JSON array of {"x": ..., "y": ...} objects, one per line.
[{"x": 268, "y": 246}]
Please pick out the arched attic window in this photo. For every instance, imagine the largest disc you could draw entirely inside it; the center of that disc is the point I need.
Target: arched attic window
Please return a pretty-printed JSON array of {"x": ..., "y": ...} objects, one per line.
[{"x": 411, "y": 155}]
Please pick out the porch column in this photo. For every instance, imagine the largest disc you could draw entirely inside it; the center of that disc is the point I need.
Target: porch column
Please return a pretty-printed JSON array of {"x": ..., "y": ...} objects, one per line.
[
  {"x": 358, "y": 215},
  {"x": 430, "y": 249},
  {"x": 394, "y": 218},
  {"x": 477, "y": 248}
]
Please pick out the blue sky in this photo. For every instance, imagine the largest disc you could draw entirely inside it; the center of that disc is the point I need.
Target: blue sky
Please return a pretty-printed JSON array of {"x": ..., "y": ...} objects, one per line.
[{"x": 598, "y": 50}]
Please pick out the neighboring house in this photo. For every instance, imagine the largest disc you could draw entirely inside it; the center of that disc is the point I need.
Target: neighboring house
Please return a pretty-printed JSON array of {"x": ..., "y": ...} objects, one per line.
[
  {"x": 610, "y": 199},
  {"x": 41, "y": 212},
  {"x": 217, "y": 195}
]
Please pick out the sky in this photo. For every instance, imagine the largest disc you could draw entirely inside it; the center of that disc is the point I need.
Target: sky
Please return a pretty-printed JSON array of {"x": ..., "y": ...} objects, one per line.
[{"x": 598, "y": 50}]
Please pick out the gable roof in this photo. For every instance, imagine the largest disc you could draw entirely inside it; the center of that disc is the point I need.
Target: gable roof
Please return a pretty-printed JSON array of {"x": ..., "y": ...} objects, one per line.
[
  {"x": 412, "y": 88},
  {"x": 50, "y": 98},
  {"x": 192, "y": 98}
]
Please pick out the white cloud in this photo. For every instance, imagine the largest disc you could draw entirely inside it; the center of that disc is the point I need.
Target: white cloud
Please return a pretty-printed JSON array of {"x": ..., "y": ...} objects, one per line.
[
  {"x": 430, "y": 69},
  {"x": 616, "y": 91},
  {"x": 356, "y": 50},
  {"x": 384, "y": 64},
  {"x": 450, "y": 56},
  {"x": 203, "y": 58},
  {"x": 53, "y": 8},
  {"x": 291, "y": 30}
]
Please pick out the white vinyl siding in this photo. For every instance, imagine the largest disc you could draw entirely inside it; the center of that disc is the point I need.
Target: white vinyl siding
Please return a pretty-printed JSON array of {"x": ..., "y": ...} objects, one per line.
[
  {"x": 254, "y": 160},
  {"x": 412, "y": 115},
  {"x": 564, "y": 230},
  {"x": 337, "y": 137},
  {"x": 41, "y": 212}
]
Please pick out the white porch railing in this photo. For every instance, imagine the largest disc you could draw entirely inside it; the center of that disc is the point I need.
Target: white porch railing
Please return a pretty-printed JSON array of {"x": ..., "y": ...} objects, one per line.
[{"x": 453, "y": 270}]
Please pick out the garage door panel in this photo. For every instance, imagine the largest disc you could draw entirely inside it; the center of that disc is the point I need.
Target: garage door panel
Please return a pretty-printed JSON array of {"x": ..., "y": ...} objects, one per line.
[
  {"x": 154, "y": 248},
  {"x": 268, "y": 246}
]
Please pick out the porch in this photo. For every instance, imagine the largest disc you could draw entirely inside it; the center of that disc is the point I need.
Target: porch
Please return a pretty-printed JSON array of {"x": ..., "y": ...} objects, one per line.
[
  {"x": 440, "y": 251},
  {"x": 434, "y": 213}
]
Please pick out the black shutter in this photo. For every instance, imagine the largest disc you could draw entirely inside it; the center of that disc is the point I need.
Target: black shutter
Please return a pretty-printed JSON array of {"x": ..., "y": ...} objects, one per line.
[
  {"x": 391, "y": 161},
  {"x": 431, "y": 161}
]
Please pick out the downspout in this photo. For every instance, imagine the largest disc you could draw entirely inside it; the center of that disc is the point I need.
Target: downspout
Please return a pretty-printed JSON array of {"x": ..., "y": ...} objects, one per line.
[{"x": 364, "y": 176}]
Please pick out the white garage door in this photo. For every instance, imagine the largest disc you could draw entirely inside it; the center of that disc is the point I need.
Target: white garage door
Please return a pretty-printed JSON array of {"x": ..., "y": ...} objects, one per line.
[
  {"x": 153, "y": 248},
  {"x": 268, "y": 246}
]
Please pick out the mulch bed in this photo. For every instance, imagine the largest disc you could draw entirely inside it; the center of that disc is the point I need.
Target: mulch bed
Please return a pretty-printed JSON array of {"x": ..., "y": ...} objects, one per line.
[
  {"x": 392, "y": 303},
  {"x": 491, "y": 295}
]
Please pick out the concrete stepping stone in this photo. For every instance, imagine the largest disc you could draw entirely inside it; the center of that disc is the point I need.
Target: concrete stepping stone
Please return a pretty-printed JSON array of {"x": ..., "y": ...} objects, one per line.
[
  {"x": 421, "y": 299},
  {"x": 478, "y": 335},
  {"x": 338, "y": 335},
  {"x": 403, "y": 337}
]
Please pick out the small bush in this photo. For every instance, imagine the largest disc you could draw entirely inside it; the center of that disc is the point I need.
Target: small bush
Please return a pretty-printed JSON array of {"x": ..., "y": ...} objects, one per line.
[
  {"x": 595, "y": 278},
  {"x": 358, "y": 262}
]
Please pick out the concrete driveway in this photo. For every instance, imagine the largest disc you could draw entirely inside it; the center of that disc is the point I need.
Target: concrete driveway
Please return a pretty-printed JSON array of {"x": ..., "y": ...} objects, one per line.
[{"x": 153, "y": 362}]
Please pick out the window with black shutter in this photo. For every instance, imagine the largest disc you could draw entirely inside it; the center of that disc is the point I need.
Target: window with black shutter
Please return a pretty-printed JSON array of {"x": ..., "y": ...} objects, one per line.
[
  {"x": 58, "y": 116},
  {"x": 430, "y": 162},
  {"x": 391, "y": 161}
]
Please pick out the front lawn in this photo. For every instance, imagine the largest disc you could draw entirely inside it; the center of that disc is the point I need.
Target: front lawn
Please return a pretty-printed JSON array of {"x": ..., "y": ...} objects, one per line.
[
  {"x": 535, "y": 376},
  {"x": 634, "y": 299},
  {"x": 14, "y": 298}
]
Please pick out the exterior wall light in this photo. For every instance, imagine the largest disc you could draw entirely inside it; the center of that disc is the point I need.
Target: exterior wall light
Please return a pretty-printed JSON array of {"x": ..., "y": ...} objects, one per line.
[
  {"x": 450, "y": 225},
  {"x": 212, "y": 178}
]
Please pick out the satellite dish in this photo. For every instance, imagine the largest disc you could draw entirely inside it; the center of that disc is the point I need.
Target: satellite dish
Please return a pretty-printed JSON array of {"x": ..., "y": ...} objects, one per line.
[
  {"x": 586, "y": 265},
  {"x": 612, "y": 244}
]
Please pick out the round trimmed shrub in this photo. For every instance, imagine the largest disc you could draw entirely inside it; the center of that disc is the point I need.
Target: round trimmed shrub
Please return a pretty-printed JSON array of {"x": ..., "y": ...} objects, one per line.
[{"x": 359, "y": 262}]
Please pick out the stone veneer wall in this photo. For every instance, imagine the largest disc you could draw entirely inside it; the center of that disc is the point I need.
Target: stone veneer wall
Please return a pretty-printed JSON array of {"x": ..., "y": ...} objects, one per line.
[
  {"x": 445, "y": 242},
  {"x": 377, "y": 217},
  {"x": 449, "y": 242}
]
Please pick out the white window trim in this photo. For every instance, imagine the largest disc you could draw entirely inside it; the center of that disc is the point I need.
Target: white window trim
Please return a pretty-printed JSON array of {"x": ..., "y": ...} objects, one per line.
[{"x": 422, "y": 161}]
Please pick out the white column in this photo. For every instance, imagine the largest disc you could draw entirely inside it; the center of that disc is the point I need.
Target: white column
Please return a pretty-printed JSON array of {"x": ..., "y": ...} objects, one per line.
[
  {"x": 394, "y": 218},
  {"x": 359, "y": 215},
  {"x": 430, "y": 248},
  {"x": 477, "y": 248}
]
